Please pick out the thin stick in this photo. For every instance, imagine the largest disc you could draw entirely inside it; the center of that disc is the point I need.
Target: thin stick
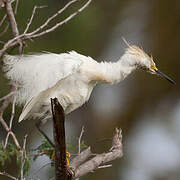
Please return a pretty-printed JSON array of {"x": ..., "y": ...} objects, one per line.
[
  {"x": 11, "y": 120},
  {"x": 62, "y": 22},
  {"x": 32, "y": 16},
  {"x": 23, "y": 157},
  {"x": 8, "y": 175},
  {"x": 13, "y": 42},
  {"x": 7, "y": 96},
  {"x": 79, "y": 140},
  {"x": 105, "y": 166},
  {"x": 3, "y": 19},
  {"x": 53, "y": 16},
  {"x": 16, "y": 6},
  {"x": 13, "y": 24}
]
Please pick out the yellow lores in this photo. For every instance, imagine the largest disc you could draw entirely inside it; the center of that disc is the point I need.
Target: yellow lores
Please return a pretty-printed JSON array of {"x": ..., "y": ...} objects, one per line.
[{"x": 154, "y": 67}]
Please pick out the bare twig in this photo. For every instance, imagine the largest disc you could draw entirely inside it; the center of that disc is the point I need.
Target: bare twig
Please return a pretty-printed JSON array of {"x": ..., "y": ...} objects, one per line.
[
  {"x": 8, "y": 175},
  {"x": 8, "y": 95},
  {"x": 10, "y": 123},
  {"x": 79, "y": 140},
  {"x": 16, "y": 6},
  {"x": 32, "y": 16},
  {"x": 34, "y": 34},
  {"x": 105, "y": 166},
  {"x": 101, "y": 159},
  {"x": 23, "y": 158},
  {"x": 13, "y": 24},
  {"x": 10, "y": 15},
  {"x": 3, "y": 19},
  {"x": 53, "y": 16}
]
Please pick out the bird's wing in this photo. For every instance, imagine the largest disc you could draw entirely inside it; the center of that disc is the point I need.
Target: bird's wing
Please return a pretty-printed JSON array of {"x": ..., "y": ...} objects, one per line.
[{"x": 36, "y": 73}]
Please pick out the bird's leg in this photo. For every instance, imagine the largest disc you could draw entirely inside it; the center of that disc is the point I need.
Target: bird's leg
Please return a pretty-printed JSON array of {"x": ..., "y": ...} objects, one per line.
[{"x": 38, "y": 125}]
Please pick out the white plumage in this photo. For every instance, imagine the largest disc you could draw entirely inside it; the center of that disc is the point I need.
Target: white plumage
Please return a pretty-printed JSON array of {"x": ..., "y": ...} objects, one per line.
[{"x": 70, "y": 77}]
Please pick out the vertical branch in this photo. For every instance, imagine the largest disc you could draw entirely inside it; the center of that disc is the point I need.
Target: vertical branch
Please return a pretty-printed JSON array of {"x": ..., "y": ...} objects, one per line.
[
  {"x": 59, "y": 138},
  {"x": 13, "y": 24}
]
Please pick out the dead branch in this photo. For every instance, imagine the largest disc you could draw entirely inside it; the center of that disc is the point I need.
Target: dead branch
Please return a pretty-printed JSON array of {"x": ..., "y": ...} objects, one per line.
[
  {"x": 12, "y": 21},
  {"x": 34, "y": 34},
  {"x": 11, "y": 120},
  {"x": 7, "y": 96},
  {"x": 79, "y": 140},
  {"x": 82, "y": 157},
  {"x": 101, "y": 159},
  {"x": 53, "y": 16},
  {"x": 23, "y": 158},
  {"x": 32, "y": 17},
  {"x": 3, "y": 19},
  {"x": 59, "y": 138},
  {"x": 8, "y": 175}
]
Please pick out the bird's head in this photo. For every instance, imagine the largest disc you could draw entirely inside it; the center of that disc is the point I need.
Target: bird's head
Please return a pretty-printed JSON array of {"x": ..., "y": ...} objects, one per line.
[{"x": 144, "y": 61}]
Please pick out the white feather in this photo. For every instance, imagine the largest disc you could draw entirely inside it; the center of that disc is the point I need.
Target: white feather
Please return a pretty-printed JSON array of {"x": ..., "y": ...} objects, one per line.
[
  {"x": 35, "y": 73},
  {"x": 70, "y": 77}
]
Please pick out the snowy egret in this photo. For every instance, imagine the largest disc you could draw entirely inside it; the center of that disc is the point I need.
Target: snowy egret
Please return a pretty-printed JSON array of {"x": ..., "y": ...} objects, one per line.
[{"x": 70, "y": 77}]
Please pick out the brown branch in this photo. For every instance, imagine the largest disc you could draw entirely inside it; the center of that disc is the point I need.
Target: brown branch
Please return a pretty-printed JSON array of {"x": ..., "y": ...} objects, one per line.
[
  {"x": 23, "y": 157},
  {"x": 101, "y": 159},
  {"x": 34, "y": 34},
  {"x": 13, "y": 24},
  {"x": 8, "y": 175},
  {"x": 53, "y": 16},
  {"x": 10, "y": 15},
  {"x": 59, "y": 138},
  {"x": 7, "y": 96},
  {"x": 11, "y": 120},
  {"x": 4, "y": 105},
  {"x": 3, "y": 19},
  {"x": 32, "y": 17},
  {"x": 60, "y": 23},
  {"x": 82, "y": 157},
  {"x": 79, "y": 140}
]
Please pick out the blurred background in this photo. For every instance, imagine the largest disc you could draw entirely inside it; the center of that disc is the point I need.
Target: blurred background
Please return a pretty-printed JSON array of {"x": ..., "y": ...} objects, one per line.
[{"x": 145, "y": 106}]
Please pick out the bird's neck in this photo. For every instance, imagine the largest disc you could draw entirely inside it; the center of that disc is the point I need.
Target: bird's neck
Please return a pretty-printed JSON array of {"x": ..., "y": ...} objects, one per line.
[{"x": 118, "y": 71}]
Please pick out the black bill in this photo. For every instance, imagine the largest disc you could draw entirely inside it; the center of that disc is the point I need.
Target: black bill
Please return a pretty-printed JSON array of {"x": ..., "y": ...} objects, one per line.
[{"x": 165, "y": 77}]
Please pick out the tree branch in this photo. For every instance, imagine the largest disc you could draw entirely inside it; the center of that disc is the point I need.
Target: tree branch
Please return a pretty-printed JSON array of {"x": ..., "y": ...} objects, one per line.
[
  {"x": 101, "y": 159},
  {"x": 8, "y": 175},
  {"x": 34, "y": 34},
  {"x": 59, "y": 138},
  {"x": 12, "y": 21}
]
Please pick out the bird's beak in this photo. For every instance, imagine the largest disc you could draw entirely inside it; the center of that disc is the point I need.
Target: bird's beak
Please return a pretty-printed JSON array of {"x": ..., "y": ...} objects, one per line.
[
  {"x": 162, "y": 74},
  {"x": 165, "y": 76}
]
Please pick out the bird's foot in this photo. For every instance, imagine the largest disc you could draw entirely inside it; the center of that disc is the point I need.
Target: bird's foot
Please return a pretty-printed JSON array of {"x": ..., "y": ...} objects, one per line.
[{"x": 68, "y": 155}]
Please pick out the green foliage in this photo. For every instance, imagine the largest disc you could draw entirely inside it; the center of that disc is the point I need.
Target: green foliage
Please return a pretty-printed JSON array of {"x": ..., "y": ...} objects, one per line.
[
  {"x": 25, "y": 159},
  {"x": 83, "y": 145},
  {"x": 10, "y": 152},
  {"x": 44, "y": 149}
]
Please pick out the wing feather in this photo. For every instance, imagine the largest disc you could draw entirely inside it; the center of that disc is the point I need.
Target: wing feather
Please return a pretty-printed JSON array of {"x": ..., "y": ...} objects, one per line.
[{"x": 38, "y": 72}]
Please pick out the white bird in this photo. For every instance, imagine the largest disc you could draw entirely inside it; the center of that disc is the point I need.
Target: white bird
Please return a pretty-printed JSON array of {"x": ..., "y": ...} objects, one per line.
[{"x": 70, "y": 77}]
